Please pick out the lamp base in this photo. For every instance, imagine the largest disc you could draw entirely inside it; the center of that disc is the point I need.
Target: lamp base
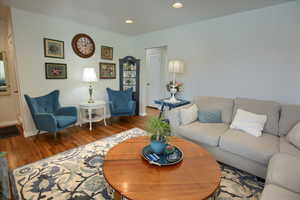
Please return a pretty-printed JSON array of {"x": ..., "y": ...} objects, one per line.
[
  {"x": 91, "y": 94},
  {"x": 172, "y": 100}
]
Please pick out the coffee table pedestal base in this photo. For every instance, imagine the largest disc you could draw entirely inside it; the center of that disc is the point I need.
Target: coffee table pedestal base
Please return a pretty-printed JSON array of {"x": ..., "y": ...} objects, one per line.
[{"x": 118, "y": 196}]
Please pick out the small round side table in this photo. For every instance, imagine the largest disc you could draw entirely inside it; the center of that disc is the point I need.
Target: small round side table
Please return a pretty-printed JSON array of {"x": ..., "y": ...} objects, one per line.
[{"x": 92, "y": 112}]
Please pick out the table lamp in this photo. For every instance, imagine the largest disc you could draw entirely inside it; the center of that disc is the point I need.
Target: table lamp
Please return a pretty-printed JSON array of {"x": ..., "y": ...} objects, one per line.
[
  {"x": 175, "y": 67},
  {"x": 89, "y": 75}
]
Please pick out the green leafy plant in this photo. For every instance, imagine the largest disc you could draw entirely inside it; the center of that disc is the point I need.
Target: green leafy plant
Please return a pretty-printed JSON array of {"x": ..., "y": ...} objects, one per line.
[
  {"x": 2, "y": 154},
  {"x": 158, "y": 129}
]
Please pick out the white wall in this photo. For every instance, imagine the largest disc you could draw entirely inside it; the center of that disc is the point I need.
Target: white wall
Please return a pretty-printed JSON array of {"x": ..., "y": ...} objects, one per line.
[
  {"x": 254, "y": 54},
  {"x": 29, "y": 31}
]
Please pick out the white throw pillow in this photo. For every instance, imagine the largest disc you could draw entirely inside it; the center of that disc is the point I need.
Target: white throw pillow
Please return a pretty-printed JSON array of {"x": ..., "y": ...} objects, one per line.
[
  {"x": 294, "y": 135},
  {"x": 249, "y": 122},
  {"x": 188, "y": 115}
]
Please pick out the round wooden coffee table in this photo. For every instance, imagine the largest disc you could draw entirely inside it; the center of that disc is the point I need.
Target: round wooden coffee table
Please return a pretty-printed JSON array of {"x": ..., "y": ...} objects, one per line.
[{"x": 197, "y": 177}]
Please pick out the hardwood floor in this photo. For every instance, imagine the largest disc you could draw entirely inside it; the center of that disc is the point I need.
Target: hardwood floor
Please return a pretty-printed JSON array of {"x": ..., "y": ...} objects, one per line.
[{"x": 22, "y": 151}]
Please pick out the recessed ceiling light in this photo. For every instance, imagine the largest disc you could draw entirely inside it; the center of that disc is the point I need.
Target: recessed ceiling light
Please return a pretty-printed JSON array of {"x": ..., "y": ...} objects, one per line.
[
  {"x": 177, "y": 5},
  {"x": 129, "y": 21}
]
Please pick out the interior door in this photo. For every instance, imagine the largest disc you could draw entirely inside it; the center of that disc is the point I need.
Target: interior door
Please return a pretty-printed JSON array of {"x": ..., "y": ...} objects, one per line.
[{"x": 154, "y": 63}]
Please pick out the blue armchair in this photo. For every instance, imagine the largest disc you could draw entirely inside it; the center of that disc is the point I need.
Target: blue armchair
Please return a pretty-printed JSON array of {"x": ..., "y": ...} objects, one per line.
[
  {"x": 48, "y": 115},
  {"x": 121, "y": 103}
]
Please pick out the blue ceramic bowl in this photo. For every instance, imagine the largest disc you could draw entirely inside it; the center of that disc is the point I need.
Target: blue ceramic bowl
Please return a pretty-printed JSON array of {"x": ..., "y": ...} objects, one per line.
[{"x": 157, "y": 146}]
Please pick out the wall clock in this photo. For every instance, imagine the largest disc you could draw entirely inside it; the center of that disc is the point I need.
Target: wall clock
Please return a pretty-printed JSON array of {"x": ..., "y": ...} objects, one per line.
[{"x": 83, "y": 45}]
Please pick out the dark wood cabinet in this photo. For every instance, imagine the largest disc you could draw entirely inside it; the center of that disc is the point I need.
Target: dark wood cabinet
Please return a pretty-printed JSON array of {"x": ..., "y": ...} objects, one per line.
[{"x": 130, "y": 77}]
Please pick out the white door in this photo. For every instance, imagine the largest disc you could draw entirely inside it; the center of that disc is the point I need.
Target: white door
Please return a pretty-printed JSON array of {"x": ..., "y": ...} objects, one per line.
[{"x": 154, "y": 61}]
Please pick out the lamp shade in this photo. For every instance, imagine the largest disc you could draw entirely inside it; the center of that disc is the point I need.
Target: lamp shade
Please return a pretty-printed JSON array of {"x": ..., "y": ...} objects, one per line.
[
  {"x": 176, "y": 66},
  {"x": 89, "y": 75}
]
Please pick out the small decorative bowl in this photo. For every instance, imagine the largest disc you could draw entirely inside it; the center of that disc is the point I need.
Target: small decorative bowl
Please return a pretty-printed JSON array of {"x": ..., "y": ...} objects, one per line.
[{"x": 169, "y": 149}]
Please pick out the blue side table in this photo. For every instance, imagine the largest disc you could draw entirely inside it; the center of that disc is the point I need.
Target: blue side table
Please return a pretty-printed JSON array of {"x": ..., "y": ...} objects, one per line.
[{"x": 163, "y": 103}]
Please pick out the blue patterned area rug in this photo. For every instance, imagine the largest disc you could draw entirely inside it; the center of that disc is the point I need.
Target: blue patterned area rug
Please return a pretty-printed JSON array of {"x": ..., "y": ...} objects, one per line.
[{"x": 77, "y": 175}]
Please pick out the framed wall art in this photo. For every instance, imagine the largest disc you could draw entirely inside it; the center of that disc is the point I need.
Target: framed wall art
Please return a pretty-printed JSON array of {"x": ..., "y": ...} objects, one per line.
[
  {"x": 107, "y": 53},
  {"x": 54, "y": 48},
  {"x": 107, "y": 70},
  {"x": 56, "y": 70}
]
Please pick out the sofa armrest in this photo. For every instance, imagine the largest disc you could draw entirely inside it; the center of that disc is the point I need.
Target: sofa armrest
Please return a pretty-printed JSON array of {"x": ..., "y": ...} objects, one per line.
[
  {"x": 69, "y": 111},
  {"x": 283, "y": 171},
  {"x": 46, "y": 122},
  {"x": 174, "y": 117}
]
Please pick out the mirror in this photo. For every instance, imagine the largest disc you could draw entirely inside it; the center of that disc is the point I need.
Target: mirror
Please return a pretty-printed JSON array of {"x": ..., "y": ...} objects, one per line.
[{"x": 4, "y": 83}]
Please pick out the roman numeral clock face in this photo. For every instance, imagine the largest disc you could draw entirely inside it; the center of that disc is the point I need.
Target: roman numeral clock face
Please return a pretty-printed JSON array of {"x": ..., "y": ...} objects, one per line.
[{"x": 83, "y": 45}]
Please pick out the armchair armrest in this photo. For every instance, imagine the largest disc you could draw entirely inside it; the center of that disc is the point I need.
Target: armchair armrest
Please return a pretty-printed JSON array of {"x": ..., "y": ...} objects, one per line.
[
  {"x": 46, "y": 122},
  {"x": 283, "y": 171},
  {"x": 111, "y": 106},
  {"x": 174, "y": 117},
  {"x": 70, "y": 111}
]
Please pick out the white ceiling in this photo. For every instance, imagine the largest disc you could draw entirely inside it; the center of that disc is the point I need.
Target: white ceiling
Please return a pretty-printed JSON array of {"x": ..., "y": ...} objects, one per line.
[{"x": 149, "y": 15}]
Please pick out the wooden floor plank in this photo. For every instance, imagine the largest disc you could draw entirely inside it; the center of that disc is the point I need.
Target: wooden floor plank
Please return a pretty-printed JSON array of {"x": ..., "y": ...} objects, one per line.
[{"x": 22, "y": 151}]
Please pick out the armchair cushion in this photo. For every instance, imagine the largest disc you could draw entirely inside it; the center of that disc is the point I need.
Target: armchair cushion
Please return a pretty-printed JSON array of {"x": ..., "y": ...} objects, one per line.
[
  {"x": 69, "y": 111},
  {"x": 45, "y": 122},
  {"x": 129, "y": 109},
  {"x": 65, "y": 121}
]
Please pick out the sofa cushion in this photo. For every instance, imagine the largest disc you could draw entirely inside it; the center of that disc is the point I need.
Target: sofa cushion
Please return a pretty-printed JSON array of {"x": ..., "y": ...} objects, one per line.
[
  {"x": 289, "y": 116},
  {"x": 284, "y": 170},
  {"x": 294, "y": 136},
  {"x": 273, "y": 192},
  {"x": 269, "y": 108},
  {"x": 225, "y": 105},
  {"x": 206, "y": 133},
  {"x": 249, "y": 122},
  {"x": 288, "y": 148},
  {"x": 212, "y": 116},
  {"x": 189, "y": 115},
  {"x": 259, "y": 149}
]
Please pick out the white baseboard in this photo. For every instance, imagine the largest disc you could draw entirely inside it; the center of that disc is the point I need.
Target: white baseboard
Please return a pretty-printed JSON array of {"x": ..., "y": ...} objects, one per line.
[
  {"x": 143, "y": 114},
  {"x": 8, "y": 123}
]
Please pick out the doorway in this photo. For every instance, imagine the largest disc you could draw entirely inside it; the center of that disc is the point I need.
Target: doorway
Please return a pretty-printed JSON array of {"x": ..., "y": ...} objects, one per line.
[
  {"x": 9, "y": 100},
  {"x": 155, "y": 62}
]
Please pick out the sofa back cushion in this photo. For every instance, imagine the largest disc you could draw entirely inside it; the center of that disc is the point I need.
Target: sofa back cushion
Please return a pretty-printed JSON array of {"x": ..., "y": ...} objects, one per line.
[
  {"x": 225, "y": 105},
  {"x": 289, "y": 117},
  {"x": 269, "y": 108}
]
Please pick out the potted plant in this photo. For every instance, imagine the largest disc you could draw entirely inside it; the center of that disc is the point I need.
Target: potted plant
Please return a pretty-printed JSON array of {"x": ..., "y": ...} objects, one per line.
[{"x": 159, "y": 130}]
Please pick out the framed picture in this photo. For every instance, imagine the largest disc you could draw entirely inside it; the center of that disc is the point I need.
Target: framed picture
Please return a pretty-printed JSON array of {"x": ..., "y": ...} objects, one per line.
[
  {"x": 107, "y": 70},
  {"x": 56, "y": 70},
  {"x": 54, "y": 48},
  {"x": 107, "y": 53}
]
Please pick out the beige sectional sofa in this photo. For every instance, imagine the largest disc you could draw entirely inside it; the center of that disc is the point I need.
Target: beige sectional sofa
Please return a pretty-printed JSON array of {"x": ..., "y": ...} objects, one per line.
[{"x": 246, "y": 152}]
